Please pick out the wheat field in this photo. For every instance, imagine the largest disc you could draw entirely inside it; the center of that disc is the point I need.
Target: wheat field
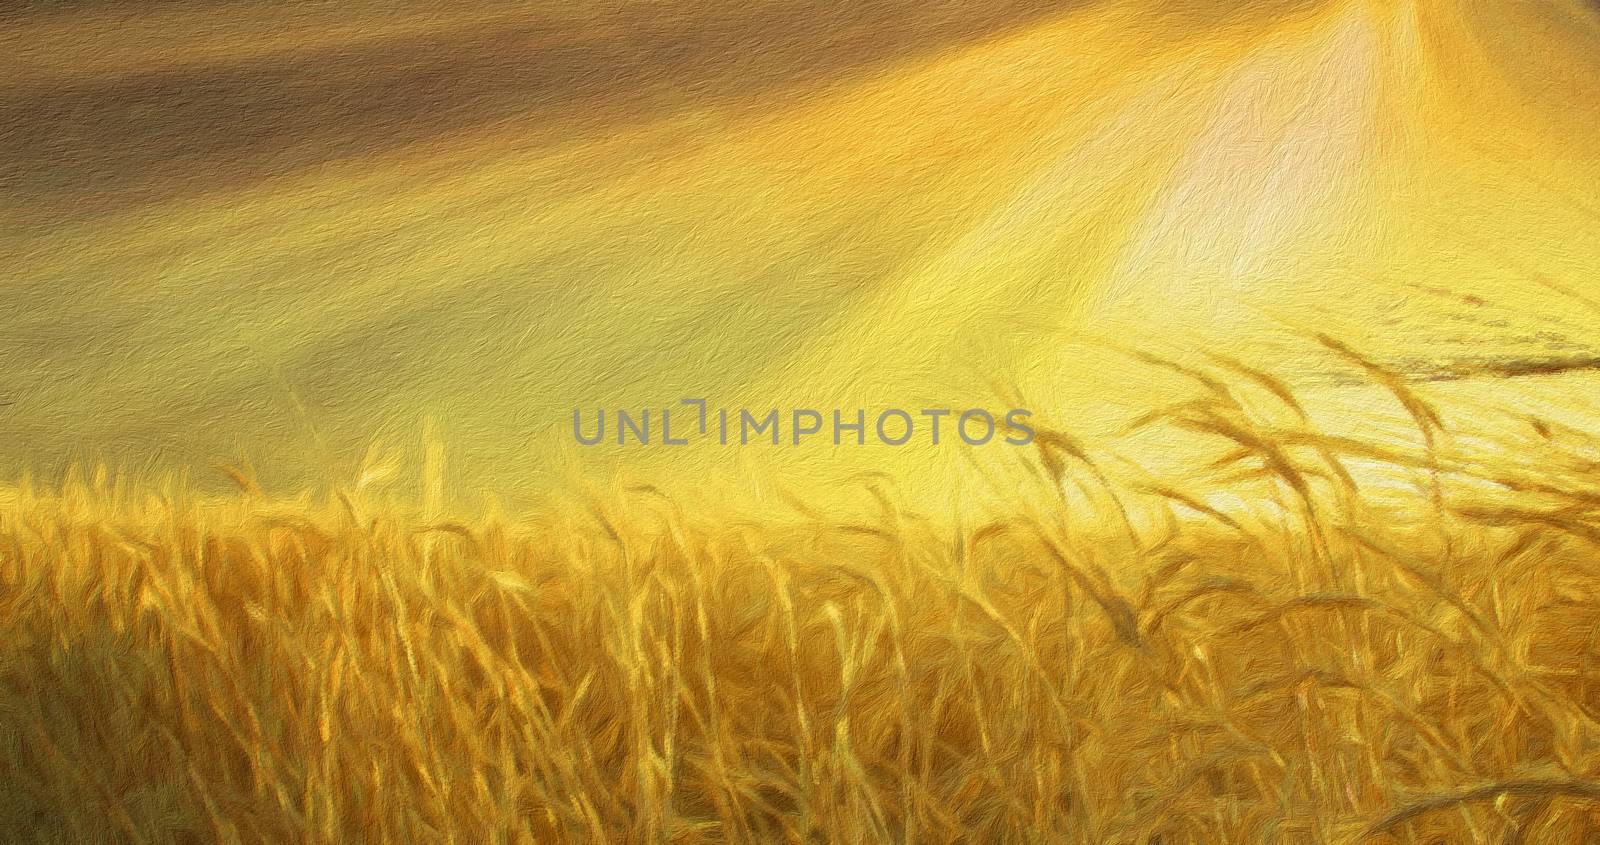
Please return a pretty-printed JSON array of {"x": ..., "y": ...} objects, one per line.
[
  {"x": 1350, "y": 599},
  {"x": 1311, "y": 665}
]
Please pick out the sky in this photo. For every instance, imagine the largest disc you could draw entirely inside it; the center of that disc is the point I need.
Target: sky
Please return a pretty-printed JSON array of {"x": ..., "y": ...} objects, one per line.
[{"x": 293, "y": 234}]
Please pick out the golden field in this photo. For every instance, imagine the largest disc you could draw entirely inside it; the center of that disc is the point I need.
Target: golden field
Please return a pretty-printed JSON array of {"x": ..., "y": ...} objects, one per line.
[
  {"x": 1352, "y": 599},
  {"x": 1305, "y": 665}
]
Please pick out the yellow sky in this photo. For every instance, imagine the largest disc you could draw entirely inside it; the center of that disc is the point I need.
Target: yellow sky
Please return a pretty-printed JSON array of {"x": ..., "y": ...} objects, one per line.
[{"x": 282, "y": 231}]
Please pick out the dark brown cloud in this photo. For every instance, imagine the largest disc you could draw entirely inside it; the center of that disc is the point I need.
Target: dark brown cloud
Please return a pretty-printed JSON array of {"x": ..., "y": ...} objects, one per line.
[{"x": 109, "y": 142}]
